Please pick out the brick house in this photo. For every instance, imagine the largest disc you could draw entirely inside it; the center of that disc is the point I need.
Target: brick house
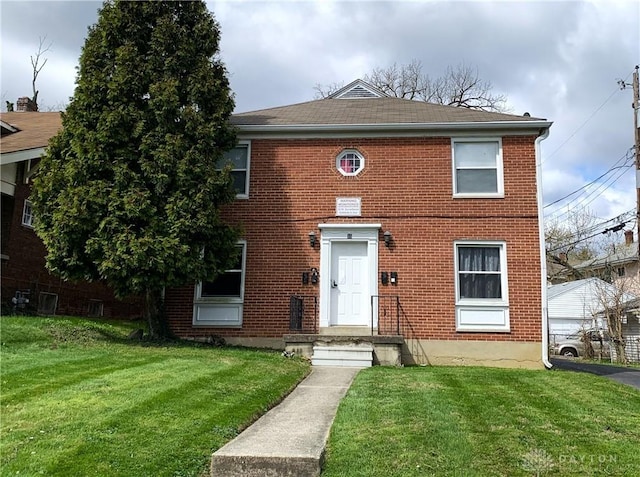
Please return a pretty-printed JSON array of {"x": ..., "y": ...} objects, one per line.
[
  {"x": 25, "y": 134},
  {"x": 374, "y": 219}
]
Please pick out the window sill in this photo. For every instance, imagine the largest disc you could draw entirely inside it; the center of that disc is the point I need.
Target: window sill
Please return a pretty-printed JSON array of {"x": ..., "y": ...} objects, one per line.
[
  {"x": 223, "y": 300},
  {"x": 492, "y": 195}
]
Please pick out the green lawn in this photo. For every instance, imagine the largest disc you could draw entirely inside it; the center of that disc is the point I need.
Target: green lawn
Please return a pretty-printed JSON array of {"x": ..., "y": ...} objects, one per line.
[
  {"x": 447, "y": 421},
  {"x": 78, "y": 399}
]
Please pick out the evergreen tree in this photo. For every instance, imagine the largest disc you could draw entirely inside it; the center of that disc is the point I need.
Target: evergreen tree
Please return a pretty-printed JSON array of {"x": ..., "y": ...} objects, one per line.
[{"x": 128, "y": 192}]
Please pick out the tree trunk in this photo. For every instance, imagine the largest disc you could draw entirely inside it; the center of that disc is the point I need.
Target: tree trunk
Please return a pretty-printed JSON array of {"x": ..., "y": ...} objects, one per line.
[
  {"x": 621, "y": 354},
  {"x": 154, "y": 314}
]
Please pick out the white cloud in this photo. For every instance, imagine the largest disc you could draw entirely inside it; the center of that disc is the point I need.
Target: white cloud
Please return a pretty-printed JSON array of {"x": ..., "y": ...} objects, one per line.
[{"x": 556, "y": 60}]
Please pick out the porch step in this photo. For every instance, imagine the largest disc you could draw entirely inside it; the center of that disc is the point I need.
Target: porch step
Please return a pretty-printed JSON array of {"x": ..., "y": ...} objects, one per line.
[
  {"x": 356, "y": 355},
  {"x": 345, "y": 331}
]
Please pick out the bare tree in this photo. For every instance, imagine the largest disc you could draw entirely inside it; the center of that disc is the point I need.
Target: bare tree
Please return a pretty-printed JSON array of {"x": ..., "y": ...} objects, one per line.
[
  {"x": 37, "y": 67},
  {"x": 571, "y": 241},
  {"x": 613, "y": 301},
  {"x": 460, "y": 86}
]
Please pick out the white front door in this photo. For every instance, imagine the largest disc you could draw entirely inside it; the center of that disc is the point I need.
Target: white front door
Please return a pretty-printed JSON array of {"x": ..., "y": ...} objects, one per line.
[{"x": 350, "y": 297}]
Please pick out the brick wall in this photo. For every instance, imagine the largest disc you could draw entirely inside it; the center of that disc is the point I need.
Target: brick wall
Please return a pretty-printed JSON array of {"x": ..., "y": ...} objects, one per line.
[
  {"x": 406, "y": 185},
  {"x": 25, "y": 270}
]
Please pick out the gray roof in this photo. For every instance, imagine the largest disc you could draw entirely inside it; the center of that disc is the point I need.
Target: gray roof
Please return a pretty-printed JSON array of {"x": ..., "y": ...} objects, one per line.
[
  {"x": 622, "y": 254},
  {"x": 371, "y": 111},
  {"x": 562, "y": 288}
]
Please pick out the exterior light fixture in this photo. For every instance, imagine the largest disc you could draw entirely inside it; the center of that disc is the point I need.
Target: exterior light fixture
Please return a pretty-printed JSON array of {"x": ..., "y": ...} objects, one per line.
[
  {"x": 312, "y": 239},
  {"x": 387, "y": 239}
]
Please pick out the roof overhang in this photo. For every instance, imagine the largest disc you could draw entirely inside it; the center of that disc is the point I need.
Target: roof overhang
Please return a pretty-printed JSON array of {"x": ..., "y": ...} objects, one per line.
[
  {"x": 395, "y": 129},
  {"x": 19, "y": 156}
]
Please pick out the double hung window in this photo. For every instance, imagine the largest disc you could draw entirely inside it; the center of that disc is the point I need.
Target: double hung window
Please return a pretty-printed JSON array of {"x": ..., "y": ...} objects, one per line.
[
  {"x": 477, "y": 168},
  {"x": 239, "y": 159},
  {"x": 481, "y": 286},
  {"x": 27, "y": 214},
  {"x": 220, "y": 302}
]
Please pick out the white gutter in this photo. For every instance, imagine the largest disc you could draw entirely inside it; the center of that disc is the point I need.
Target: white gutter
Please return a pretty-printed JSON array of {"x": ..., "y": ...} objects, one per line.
[
  {"x": 543, "y": 253},
  {"x": 466, "y": 126}
]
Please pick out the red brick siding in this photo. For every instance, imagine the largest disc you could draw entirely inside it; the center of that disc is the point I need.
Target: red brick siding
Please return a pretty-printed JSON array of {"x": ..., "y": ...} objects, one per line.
[
  {"x": 25, "y": 269},
  {"x": 407, "y": 186}
]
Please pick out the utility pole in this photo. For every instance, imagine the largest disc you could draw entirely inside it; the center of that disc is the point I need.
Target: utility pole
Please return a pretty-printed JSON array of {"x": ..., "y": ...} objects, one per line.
[{"x": 636, "y": 136}]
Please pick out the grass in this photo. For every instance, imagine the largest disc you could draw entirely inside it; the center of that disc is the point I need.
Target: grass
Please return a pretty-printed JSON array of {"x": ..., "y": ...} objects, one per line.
[
  {"x": 78, "y": 398},
  {"x": 466, "y": 421}
]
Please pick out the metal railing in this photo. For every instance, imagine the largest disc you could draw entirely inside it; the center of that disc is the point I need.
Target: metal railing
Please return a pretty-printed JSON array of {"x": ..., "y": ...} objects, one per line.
[
  {"x": 303, "y": 313},
  {"x": 387, "y": 309}
]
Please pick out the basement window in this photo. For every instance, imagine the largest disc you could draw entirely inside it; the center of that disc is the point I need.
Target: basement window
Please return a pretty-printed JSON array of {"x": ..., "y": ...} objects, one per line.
[
  {"x": 96, "y": 308},
  {"x": 47, "y": 303}
]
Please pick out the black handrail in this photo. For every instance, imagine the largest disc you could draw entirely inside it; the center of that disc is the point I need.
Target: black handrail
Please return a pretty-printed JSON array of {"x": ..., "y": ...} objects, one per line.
[
  {"x": 388, "y": 311},
  {"x": 303, "y": 313}
]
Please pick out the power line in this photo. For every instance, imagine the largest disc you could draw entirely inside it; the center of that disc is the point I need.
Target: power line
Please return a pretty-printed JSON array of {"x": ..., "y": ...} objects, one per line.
[
  {"x": 625, "y": 217},
  {"x": 597, "y": 192},
  {"x": 586, "y": 121},
  {"x": 612, "y": 168},
  {"x": 583, "y": 200},
  {"x": 617, "y": 228}
]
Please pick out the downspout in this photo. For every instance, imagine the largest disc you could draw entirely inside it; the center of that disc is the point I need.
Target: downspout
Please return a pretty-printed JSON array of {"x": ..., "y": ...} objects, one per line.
[{"x": 543, "y": 253}]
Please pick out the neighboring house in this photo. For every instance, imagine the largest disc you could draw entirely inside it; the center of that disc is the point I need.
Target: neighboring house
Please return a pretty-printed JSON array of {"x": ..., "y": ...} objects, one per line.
[
  {"x": 618, "y": 265},
  {"x": 572, "y": 306},
  {"x": 630, "y": 328},
  {"x": 25, "y": 135},
  {"x": 631, "y": 331},
  {"x": 575, "y": 306},
  {"x": 364, "y": 214}
]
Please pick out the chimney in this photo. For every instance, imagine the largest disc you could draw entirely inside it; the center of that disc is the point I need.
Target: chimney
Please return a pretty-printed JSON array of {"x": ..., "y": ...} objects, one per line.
[
  {"x": 26, "y": 104},
  {"x": 628, "y": 237}
]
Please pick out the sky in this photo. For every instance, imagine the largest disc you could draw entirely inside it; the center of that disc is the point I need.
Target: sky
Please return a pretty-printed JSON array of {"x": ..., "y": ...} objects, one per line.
[{"x": 560, "y": 60}]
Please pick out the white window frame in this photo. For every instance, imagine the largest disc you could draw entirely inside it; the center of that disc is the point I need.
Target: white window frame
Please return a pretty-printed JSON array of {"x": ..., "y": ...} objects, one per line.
[
  {"x": 339, "y": 159},
  {"x": 221, "y": 311},
  {"x": 499, "y": 168},
  {"x": 247, "y": 145},
  {"x": 27, "y": 214},
  {"x": 482, "y": 314}
]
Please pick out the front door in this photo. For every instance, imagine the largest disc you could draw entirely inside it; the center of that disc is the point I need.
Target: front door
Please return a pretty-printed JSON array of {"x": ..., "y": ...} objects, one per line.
[{"x": 349, "y": 284}]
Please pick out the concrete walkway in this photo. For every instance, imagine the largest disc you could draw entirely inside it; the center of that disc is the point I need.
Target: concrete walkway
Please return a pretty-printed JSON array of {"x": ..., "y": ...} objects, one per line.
[{"x": 290, "y": 439}]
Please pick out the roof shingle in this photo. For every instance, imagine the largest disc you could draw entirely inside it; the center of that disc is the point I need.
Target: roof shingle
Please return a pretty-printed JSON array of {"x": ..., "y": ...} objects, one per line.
[
  {"x": 369, "y": 111},
  {"x": 34, "y": 130}
]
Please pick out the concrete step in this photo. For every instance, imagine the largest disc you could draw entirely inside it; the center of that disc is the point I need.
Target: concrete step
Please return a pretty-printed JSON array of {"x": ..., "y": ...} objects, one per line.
[
  {"x": 346, "y": 331},
  {"x": 357, "y": 355}
]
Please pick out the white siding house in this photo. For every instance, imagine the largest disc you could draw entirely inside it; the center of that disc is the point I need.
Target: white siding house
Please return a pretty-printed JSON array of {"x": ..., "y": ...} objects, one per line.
[{"x": 571, "y": 305}]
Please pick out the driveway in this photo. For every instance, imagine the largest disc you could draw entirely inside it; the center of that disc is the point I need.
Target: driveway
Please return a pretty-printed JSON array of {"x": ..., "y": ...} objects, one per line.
[{"x": 628, "y": 376}]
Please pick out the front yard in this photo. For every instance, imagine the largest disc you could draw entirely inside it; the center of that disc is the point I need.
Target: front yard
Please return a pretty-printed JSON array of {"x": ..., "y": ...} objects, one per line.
[
  {"x": 78, "y": 399},
  {"x": 447, "y": 421}
]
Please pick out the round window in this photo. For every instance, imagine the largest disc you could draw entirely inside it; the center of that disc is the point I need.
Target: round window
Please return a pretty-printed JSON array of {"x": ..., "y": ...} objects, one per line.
[{"x": 349, "y": 162}]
